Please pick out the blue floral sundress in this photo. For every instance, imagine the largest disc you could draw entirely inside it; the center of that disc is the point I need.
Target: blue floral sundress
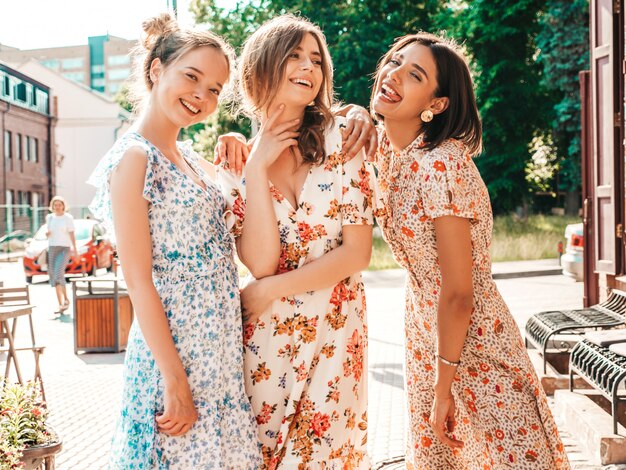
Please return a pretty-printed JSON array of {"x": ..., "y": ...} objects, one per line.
[{"x": 195, "y": 275}]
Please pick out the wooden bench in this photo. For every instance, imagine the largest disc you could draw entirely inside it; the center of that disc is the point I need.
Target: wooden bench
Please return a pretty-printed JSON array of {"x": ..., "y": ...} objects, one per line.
[
  {"x": 15, "y": 303},
  {"x": 542, "y": 326}
]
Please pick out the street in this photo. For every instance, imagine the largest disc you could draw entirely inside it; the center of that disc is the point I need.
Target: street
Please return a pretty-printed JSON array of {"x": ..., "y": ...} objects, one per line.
[{"x": 83, "y": 391}]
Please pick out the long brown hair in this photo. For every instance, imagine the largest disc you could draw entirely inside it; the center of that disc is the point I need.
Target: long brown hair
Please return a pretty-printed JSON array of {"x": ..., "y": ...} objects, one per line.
[
  {"x": 164, "y": 40},
  {"x": 262, "y": 67},
  {"x": 454, "y": 81}
]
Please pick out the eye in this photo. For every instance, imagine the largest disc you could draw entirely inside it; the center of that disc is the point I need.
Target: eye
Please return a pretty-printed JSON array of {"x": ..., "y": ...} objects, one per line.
[
  {"x": 317, "y": 62},
  {"x": 215, "y": 91},
  {"x": 191, "y": 76},
  {"x": 416, "y": 77},
  {"x": 294, "y": 55},
  {"x": 394, "y": 62}
]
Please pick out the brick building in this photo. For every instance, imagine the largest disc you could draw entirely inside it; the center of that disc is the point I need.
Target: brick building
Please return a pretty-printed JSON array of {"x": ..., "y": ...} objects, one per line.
[{"x": 27, "y": 127}]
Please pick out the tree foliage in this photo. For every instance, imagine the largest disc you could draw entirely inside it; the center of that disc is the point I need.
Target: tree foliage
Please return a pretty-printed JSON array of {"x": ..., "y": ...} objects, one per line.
[
  {"x": 525, "y": 55},
  {"x": 563, "y": 42}
]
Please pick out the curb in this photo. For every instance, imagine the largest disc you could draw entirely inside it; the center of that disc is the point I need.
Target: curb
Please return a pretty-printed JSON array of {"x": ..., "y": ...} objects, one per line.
[{"x": 536, "y": 273}]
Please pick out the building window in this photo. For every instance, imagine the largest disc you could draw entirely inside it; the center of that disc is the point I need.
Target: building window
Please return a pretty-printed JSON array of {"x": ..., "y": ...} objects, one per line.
[
  {"x": 118, "y": 74},
  {"x": 98, "y": 84},
  {"x": 34, "y": 153},
  {"x": 51, "y": 63},
  {"x": 18, "y": 147},
  {"x": 73, "y": 63},
  {"x": 76, "y": 76},
  {"x": 97, "y": 69},
  {"x": 27, "y": 149},
  {"x": 5, "y": 85},
  {"x": 118, "y": 59},
  {"x": 113, "y": 88},
  {"x": 20, "y": 91},
  {"x": 7, "y": 145}
]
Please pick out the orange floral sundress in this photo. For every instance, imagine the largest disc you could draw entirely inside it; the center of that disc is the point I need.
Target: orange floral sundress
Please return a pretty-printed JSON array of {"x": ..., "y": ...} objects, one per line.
[
  {"x": 305, "y": 361},
  {"x": 502, "y": 413}
]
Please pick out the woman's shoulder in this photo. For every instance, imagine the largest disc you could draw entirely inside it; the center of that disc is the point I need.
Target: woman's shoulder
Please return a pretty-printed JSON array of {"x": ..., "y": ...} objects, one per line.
[{"x": 449, "y": 151}]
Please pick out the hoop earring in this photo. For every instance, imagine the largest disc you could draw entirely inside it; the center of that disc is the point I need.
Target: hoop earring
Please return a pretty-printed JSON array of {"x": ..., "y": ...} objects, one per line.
[{"x": 427, "y": 115}]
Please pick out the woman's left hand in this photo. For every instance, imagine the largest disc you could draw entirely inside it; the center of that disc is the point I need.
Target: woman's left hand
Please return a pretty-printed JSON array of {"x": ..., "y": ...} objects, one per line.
[
  {"x": 359, "y": 133},
  {"x": 442, "y": 419},
  {"x": 255, "y": 300}
]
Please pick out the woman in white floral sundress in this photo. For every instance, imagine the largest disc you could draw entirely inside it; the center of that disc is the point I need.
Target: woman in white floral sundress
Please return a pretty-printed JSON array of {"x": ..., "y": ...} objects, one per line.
[
  {"x": 184, "y": 404},
  {"x": 303, "y": 221}
]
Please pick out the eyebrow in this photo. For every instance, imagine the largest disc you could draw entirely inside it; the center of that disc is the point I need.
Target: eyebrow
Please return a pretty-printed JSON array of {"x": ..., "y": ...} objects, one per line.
[
  {"x": 415, "y": 66},
  {"x": 315, "y": 53},
  {"x": 198, "y": 71}
]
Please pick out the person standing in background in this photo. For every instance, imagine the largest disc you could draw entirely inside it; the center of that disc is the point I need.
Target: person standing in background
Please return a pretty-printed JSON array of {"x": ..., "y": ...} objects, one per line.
[{"x": 61, "y": 242}]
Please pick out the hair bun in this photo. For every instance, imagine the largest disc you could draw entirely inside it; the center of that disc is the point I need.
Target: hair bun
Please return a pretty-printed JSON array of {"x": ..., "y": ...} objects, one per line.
[{"x": 157, "y": 27}]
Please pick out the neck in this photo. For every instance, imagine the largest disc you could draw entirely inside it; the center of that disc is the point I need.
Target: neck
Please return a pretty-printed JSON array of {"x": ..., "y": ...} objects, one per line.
[
  {"x": 402, "y": 133},
  {"x": 158, "y": 129},
  {"x": 289, "y": 114}
]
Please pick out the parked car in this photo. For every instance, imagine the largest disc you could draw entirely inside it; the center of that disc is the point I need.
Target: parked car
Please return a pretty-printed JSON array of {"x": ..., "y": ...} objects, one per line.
[
  {"x": 94, "y": 246},
  {"x": 572, "y": 259}
]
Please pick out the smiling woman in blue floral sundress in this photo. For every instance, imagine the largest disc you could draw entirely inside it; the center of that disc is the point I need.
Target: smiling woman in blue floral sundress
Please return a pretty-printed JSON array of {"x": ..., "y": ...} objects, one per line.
[{"x": 184, "y": 404}]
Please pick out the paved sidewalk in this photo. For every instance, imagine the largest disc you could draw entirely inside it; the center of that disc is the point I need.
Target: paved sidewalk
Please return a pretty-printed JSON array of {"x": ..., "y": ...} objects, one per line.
[{"x": 84, "y": 391}]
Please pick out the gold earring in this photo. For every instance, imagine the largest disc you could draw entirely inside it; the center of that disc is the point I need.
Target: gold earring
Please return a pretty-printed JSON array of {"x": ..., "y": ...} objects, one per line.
[
  {"x": 312, "y": 103},
  {"x": 427, "y": 115}
]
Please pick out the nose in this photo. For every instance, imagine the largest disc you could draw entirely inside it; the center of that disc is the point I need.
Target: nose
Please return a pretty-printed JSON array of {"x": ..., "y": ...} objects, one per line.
[
  {"x": 394, "y": 74},
  {"x": 306, "y": 64},
  {"x": 200, "y": 94}
]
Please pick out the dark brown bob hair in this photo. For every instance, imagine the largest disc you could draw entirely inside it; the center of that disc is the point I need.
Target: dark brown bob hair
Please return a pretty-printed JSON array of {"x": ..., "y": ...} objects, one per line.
[{"x": 460, "y": 120}]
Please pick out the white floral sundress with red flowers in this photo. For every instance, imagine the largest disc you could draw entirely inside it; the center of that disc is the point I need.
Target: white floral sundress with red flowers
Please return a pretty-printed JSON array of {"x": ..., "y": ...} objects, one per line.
[{"x": 305, "y": 359}]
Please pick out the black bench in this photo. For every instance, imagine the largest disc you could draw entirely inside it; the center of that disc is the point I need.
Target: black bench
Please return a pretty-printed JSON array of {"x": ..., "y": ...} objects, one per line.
[
  {"x": 544, "y": 325},
  {"x": 602, "y": 368}
]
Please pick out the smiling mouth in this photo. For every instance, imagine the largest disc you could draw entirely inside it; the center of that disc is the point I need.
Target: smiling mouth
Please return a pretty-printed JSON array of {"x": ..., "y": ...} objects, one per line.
[
  {"x": 189, "y": 106},
  {"x": 302, "y": 82},
  {"x": 389, "y": 94}
]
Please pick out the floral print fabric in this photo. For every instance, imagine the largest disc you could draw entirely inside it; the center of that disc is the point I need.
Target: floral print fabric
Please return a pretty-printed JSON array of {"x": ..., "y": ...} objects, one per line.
[
  {"x": 305, "y": 359},
  {"x": 502, "y": 413},
  {"x": 197, "y": 280}
]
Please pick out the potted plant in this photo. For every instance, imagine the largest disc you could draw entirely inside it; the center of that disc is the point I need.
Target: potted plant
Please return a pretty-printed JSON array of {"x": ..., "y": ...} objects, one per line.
[{"x": 26, "y": 441}]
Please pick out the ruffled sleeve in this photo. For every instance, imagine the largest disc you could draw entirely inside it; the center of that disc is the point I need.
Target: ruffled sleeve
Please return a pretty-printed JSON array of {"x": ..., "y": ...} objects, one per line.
[
  {"x": 234, "y": 190},
  {"x": 357, "y": 202},
  {"x": 450, "y": 182},
  {"x": 100, "y": 206}
]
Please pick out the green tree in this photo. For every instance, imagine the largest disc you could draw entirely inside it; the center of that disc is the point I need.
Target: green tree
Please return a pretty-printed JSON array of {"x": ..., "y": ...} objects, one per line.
[
  {"x": 563, "y": 41},
  {"x": 500, "y": 37}
]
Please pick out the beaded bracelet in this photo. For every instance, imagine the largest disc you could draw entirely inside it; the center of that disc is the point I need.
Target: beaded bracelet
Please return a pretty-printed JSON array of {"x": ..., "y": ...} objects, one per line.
[{"x": 449, "y": 363}]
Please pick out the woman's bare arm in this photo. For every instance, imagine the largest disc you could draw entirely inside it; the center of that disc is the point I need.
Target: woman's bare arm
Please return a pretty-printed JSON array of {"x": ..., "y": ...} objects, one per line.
[
  {"x": 352, "y": 256},
  {"x": 132, "y": 231},
  {"x": 454, "y": 250}
]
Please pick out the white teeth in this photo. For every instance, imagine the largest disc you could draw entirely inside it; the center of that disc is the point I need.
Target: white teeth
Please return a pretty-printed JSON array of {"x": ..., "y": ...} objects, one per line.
[
  {"x": 389, "y": 91},
  {"x": 190, "y": 107},
  {"x": 302, "y": 81}
]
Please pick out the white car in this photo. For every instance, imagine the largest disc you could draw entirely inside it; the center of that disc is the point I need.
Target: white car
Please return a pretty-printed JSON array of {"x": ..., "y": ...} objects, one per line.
[{"x": 572, "y": 259}]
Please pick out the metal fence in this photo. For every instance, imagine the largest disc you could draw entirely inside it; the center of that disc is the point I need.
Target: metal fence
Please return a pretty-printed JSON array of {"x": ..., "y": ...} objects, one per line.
[{"x": 19, "y": 222}]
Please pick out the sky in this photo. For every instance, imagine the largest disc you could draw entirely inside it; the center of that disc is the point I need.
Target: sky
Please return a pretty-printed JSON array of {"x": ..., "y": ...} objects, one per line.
[{"x": 34, "y": 24}]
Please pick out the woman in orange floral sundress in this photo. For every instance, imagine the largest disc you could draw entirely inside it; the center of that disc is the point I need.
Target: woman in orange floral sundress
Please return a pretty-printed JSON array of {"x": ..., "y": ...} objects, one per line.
[
  {"x": 474, "y": 400},
  {"x": 304, "y": 229}
]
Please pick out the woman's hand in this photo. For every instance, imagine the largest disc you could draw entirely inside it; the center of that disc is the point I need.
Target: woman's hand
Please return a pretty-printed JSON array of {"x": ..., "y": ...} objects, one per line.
[
  {"x": 179, "y": 409},
  {"x": 232, "y": 149},
  {"x": 442, "y": 419},
  {"x": 359, "y": 133},
  {"x": 256, "y": 298},
  {"x": 272, "y": 140}
]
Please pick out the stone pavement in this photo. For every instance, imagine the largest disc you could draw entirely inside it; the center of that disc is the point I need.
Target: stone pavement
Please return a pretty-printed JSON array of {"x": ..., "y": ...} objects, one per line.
[{"x": 83, "y": 391}]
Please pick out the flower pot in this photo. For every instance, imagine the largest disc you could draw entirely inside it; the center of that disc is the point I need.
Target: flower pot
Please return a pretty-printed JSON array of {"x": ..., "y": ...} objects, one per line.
[{"x": 35, "y": 457}]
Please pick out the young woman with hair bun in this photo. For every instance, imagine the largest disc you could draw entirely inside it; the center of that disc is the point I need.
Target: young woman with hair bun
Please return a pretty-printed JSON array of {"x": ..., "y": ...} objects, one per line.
[{"x": 184, "y": 405}]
